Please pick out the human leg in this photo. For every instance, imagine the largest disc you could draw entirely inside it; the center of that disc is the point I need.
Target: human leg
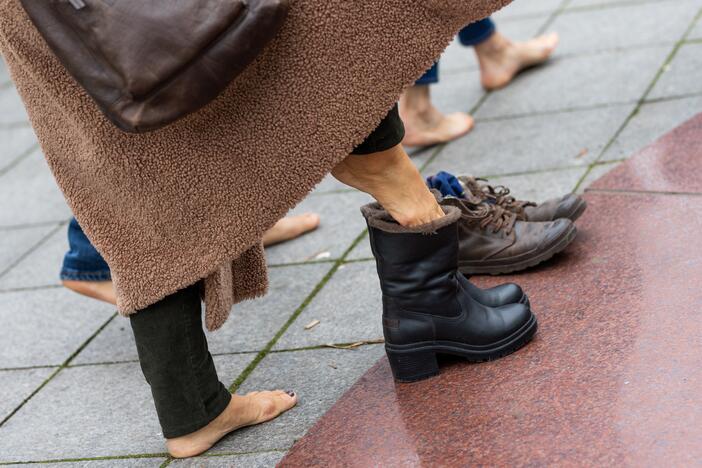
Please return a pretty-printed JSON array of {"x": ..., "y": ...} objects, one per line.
[
  {"x": 425, "y": 125},
  {"x": 501, "y": 59},
  {"x": 194, "y": 408}
]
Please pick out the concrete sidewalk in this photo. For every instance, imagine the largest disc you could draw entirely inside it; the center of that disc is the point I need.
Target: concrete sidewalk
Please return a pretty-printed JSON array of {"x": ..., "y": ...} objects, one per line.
[{"x": 71, "y": 391}]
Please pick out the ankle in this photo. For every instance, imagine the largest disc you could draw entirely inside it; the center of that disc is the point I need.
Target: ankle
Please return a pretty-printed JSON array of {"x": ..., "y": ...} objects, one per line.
[
  {"x": 416, "y": 101},
  {"x": 497, "y": 44}
]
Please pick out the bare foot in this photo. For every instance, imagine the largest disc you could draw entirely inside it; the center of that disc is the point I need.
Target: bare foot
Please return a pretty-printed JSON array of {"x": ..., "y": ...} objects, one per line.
[
  {"x": 291, "y": 227},
  {"x": 248, "y": 410},
  {"x": 501, "y": 59},
  {"x": 424, "y": 124},
  {"x": 100, "y": 290}
]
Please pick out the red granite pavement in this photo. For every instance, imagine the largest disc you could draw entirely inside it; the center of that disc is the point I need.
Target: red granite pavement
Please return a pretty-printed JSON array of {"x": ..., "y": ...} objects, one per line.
[{"x": 614, "y": 376}]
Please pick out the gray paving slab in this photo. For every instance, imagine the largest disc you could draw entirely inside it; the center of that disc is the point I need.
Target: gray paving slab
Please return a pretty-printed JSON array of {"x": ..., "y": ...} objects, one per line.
[
  {"x": 251, "y": 326},
  {"x": 14, "y": 243},
  {"x": 152, "y": 462},
  {"x": 528, "y": 8},
  {"x": 93, "y": 411},
  {"x": 252, "y": 460},
  {"x": 29, "y": 194},
  {"x": 349, "y": 309},
  {"x": 696, "y": 32},
  {"x": 541, "y": 186},
  {"x": 578, "y": 81},
  {"x": 646, "y": 24},
  {"x": 533, "y": 143},
  {"x": 341, "y": 223},
  {"x": 319, "y": 377},
  {"x": 457, "y": 92},
  {"x": 597, "y": 171},
  {"x": 589, "y": 4},
  {"x": 17, "y": 385},
  {"x": 683, "y": 75},
  {"x": 45, "y": 326},
  {"x": 652, "y": 121},
  {"x": 12, "y": 108},
  {"x": 361, "y": 251},
  {"x": 13, "y": 144},
  {"x": 41, "y": 267}
]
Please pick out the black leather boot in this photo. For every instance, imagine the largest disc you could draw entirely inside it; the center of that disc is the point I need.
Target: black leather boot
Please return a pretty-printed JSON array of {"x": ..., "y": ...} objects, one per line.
[{"x": 427, "y": 305}]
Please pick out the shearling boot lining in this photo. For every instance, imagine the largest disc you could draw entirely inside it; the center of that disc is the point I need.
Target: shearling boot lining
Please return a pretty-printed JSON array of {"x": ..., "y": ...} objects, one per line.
[{"x": 379, "y": 218}]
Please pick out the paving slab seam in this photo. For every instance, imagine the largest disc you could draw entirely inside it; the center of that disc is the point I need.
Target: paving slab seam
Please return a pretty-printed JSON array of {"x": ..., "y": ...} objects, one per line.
[
  {"x": 675, "y": 97},
  {"x": 61, "y": 367},
  {"x": 26, "y": 368},
  {"x": 303, "y": 263},
  {"x": 18, "y": 159},
  {"x": 30, "y": 288},
  {"x": 16, "y": 227},
  {"x": 666, "y": 62},
  {"x": 263, "y": 353},
  {"x": 346, "y": 346},
  {"x": 38, "y": 244},
  {"x": 74, "y": 460}
]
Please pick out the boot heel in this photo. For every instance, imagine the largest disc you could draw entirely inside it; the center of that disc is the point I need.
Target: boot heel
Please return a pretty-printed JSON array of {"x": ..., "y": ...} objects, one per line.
[{"x": 412, "y": 366}]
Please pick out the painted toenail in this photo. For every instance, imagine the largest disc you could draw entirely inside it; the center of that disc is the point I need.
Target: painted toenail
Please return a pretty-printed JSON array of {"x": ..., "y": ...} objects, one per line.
[{"x": 291, "y": 393}]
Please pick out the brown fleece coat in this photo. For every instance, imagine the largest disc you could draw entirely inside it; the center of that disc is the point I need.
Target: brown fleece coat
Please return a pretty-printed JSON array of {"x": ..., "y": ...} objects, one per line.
[{"x": 192, "y": 201}]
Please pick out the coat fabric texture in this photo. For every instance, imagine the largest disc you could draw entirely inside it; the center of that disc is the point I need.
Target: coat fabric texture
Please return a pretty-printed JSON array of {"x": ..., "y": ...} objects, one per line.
[{"x": 185, "y": 203}]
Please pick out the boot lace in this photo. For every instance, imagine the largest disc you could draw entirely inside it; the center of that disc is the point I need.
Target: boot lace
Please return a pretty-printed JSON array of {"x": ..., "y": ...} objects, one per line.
[
  {"x": 489, "y": 216},
  {"x": 498, "y": 195}
]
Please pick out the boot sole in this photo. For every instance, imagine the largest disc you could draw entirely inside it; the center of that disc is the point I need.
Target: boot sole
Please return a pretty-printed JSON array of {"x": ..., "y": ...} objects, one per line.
[
  {"x": 418, "y": 361},
  {"x": 503, "y": 266}
]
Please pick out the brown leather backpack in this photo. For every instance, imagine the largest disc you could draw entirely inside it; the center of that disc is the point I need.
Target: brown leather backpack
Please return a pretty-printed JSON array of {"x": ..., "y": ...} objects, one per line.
[{"x": 147, "y": 63}]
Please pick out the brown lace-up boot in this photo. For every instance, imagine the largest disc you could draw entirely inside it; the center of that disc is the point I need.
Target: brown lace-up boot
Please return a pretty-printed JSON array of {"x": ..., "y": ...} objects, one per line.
[
  {"x": 492, "y": 240},
  {"x": 568, "y": 206}
]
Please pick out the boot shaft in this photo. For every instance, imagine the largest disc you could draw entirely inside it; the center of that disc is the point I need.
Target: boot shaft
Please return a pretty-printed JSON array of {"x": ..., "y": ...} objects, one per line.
[{"x": 416, "y": 266}]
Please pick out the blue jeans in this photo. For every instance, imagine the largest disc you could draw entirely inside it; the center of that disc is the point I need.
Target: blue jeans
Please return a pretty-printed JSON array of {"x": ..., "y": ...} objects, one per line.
[
  {"x": 471, "y": 35},
  {"x": 83, "y": 262}
]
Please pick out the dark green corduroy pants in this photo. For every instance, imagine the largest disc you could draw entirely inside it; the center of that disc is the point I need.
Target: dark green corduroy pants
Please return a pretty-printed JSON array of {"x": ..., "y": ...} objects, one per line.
[{"x": 177, "y": 364}]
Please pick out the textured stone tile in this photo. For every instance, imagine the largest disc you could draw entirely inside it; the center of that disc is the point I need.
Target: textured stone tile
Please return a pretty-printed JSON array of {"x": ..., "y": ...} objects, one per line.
[
  {"x": 341, "y": 224},
  {"x": 151, "y": 462},
  {"x": 13, "y": 143},
  {"x": 29, "y": 194},
  {"x": 530, "y": 8},
  {"x": 653, "y": 23},
  {"x": 580, "y": 81},
  {"x": 541, "y": 186},
  {"x": 319, "y": 377},
  {"x": 670, "y": 164},
  {"x": 348, "y": 308},
  {"x": 457, "y": 92},
  {"x": 652, "y": 120},
  {"x": 611, "y": 379},
  {"x": 253, "y": 460},
  {"x": 12, "y": 110},
  {"x": 16, "y": 385},
  {"x": 44, "y": 327},
  {"x": 683, "y": 75},
  {"x": 93, "y": 411},
  {"x": 362, "y": 250},
  {"x": 696, "y": 32},
  {"x": 532, "y": 143},
  {"x": 42, "y": 266},
  {"x": 251, "y": 326},
  {"x": 17, "y": 242}
]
